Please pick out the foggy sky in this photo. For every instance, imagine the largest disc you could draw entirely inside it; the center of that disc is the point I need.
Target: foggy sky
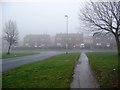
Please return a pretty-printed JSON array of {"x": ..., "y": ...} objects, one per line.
[{"x": 42, "y": 17}]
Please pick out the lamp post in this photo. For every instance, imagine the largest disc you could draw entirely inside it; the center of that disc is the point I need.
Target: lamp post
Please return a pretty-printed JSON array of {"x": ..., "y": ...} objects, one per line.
[{"x": 66, "y": 16}]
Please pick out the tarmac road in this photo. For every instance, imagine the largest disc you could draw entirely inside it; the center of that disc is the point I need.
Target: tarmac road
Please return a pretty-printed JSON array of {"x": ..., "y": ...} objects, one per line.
[{"x": 11, "y": 63}]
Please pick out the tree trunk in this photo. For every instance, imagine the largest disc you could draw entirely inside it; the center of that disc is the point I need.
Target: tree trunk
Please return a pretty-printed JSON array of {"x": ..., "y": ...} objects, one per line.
[
  {"x": 9, "y": 49},
  {"x": 118, "y": 45}
]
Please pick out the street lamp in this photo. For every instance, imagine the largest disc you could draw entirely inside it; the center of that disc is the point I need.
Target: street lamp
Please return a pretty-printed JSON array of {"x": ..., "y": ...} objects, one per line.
[{"x": 66, "y": 16}]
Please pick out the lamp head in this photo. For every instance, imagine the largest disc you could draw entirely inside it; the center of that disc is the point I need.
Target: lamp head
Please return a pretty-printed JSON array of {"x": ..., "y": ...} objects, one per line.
[{"x": 66, "y": 15}]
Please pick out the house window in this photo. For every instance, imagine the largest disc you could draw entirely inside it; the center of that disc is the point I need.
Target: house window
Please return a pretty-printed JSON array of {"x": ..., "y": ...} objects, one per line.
[
  {"x": 98, "y": 44},
  {"x": 97, "y": 38},
  {"x": 108, "y": 44},
  {"x": 58, "y": 38},
  {"x": 35, "y": 46},
  {"x": 58, "y": 44},
  {"x": 27, "y": 44},
  {"x": 74, "y": 46}
]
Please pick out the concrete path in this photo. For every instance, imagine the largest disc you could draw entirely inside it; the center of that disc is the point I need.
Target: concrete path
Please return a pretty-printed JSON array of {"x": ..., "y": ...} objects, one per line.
[
  {"x": 10, "y": 63},
  {"x": 83, "y": 76}
]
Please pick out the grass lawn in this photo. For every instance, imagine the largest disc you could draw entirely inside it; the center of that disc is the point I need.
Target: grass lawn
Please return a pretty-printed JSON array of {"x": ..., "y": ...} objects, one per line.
[
  {"x": 0, "y": 55},
  {"x": 0, "y": 79},
  {"x": 55, "y": 72},
  {"x": 105, "y": 67},
  {"x": 18, "y": 54}
]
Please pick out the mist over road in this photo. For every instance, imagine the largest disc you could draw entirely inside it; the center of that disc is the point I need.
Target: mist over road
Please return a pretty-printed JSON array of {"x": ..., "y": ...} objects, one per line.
[{"x": 10, "y": 63}]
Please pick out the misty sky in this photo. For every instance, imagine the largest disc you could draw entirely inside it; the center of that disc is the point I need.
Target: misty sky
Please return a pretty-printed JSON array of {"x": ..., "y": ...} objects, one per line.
[{"x": 42, "y": 17}]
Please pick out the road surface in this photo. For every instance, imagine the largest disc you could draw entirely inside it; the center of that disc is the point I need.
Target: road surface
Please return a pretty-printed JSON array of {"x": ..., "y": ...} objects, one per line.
[{"x": 10, "y": 63}]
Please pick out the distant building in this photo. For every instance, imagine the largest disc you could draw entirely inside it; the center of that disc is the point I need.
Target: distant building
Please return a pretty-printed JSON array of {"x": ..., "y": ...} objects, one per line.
[
  {"x": 88, "y": 42},
  {"x": 72, "y": 40},
  {"x": 103, "y": 40},
  {"x": 37, "y": 40}
]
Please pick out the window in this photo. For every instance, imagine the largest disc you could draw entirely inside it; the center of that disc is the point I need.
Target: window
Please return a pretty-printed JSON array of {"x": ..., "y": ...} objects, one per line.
[
  {"x": 98, "y": 44},
  {"x": 97, "y": 38},
  {"x": 108, "y": 44},
  {"x": 58, "y": 44},
  {"x": 58, "y": 38},
  {"x": 35, "y": 45},
  {"x": 26, "y": 44}
]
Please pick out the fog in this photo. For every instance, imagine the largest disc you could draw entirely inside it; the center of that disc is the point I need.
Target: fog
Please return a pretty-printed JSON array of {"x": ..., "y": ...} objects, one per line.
[{"x": 39, "y": 17}]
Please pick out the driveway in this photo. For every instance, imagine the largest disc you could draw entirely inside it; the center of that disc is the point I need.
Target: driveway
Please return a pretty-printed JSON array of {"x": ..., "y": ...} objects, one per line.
[{"x": 11, "y": 63}]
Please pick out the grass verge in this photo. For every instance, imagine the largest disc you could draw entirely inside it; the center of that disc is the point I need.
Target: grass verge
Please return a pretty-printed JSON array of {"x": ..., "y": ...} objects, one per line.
[
  {"x": 0, "y": 80},
  {"x": 105, "y": 67},
  {"x": 18, "y": 54},
  {"x": 0, "y": 55},
  {"x": 55, "y": 72}
]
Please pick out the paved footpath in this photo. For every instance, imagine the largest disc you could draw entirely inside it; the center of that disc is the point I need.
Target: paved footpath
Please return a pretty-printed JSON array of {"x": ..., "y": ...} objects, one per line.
[{"x": 83, "y": 76}]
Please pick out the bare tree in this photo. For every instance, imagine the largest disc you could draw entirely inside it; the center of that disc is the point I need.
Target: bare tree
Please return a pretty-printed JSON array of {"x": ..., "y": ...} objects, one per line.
[
  {"x": 103, "y": 17},
  {"x": 10, "y": 34}
]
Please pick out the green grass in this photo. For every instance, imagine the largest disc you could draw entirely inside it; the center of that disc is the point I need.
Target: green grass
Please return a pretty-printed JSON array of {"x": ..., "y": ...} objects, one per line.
[
  {"x": 105, "y": 67},
  {"x": 18, "y": 54},
  {"x": 0, "y": 55},
  {"x": 0, "y": 79},
  {"x": 55, "y": 72}
]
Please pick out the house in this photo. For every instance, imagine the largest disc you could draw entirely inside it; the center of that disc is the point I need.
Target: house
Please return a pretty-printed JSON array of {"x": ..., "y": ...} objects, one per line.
[
  {"x": 37, "y": 40},
  {"x": 88, "y": 42},
  {"x": 70, "y": 40},
  {"x": 103, "y": 40}
]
